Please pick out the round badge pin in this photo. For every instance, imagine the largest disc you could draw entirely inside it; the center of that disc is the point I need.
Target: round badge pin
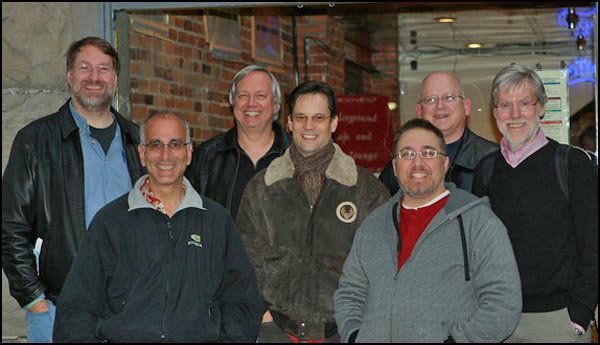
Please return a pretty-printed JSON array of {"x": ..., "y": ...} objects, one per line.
[{"x": 346, "y": 212}]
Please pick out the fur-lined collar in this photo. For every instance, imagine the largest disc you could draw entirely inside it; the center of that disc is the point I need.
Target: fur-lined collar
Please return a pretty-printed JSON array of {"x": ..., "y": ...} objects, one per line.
[{"x": 342, "y": 168}]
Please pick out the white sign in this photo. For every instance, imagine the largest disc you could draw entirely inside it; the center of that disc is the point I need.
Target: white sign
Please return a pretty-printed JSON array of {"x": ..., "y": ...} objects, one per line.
[{"x": 555, "y": 122}]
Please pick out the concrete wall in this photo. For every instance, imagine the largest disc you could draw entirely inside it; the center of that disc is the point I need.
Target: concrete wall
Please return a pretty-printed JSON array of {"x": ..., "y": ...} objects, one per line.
[{"x": 35, "y": 38}]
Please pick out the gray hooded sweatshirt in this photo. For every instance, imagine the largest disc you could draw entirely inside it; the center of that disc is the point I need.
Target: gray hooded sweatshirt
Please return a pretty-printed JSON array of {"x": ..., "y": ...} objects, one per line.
[{"x": 468, "y": 290}]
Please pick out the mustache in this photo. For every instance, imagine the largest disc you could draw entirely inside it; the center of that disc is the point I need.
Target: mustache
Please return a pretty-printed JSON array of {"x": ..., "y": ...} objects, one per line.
[
  {"x": 93, "y": 83},
  {"x": 419, "y": 167}
]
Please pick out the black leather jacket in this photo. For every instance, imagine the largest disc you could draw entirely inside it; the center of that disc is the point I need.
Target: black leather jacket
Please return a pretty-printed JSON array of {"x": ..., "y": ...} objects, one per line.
[
  {"x": 215, "y": 164},
  {"x": 460, "y": 171},
  {"x": 43, "y": 196}
]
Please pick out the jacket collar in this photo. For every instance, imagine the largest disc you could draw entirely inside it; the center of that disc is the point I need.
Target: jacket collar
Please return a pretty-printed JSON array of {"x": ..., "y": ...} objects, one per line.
[
  {"x": 342, "y": 168},
  {"x": 190, "y": 199},
  {"x": 458, "y": 202},
  {"x": 66, "y": 121},
  {"x": 68, "y": 125},
  {"x": 467, "y": 145},
  {"x": 281, "y": 142}
]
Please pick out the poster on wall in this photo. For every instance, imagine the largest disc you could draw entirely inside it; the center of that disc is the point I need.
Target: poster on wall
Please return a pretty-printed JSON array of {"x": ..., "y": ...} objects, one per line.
[
  {"x": 555, "y": 122},
  {"x": 365, "y": 130},
  {"x": 267, "y": 43}
]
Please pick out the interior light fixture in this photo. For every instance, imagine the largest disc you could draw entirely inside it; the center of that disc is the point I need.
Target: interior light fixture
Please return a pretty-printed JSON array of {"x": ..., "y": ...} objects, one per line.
[
  {"x": 392, "y": 105},
  {"x": 474, "y": 45},
  {"x": 580, "y": 42},
  {"x": 445, "y": 19},
  {"x": 572, "y": 19}
]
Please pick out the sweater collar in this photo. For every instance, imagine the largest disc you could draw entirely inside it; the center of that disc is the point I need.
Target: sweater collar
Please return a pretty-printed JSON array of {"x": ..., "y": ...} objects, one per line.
[
  {"x": 280, "y": 143},
  {"x": 515, "y": 158}
]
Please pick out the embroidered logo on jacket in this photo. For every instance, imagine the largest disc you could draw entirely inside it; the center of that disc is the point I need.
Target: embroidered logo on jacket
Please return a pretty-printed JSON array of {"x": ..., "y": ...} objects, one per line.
[
  {"x": 196, "y": 240},
  {"x": 346, "y": 212}
]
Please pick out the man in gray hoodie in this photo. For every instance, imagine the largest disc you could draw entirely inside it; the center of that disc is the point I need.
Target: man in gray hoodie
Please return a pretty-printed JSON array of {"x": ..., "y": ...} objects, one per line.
[{"x": 433, "y": 264}]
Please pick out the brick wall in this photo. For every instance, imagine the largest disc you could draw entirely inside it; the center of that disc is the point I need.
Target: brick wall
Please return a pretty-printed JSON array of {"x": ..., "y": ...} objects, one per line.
[
  {"x": 178, "y": 71},
  {"x": 324, "y": 38}
]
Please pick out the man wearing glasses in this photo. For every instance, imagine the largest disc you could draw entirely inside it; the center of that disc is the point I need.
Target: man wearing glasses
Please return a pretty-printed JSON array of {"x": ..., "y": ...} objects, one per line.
[
  {"x": 554, "y": 235},
  {"x": 297, "y": 219},
  {"x": 62, "y": 169},
  {"x": 434, "y": 264},
  {"x": 161, "y": 263},
  {"x": 442, "y": 102}
]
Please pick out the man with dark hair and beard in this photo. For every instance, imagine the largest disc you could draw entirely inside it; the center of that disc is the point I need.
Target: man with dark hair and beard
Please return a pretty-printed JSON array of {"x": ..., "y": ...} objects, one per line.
[{"x": 62, "y": 169}]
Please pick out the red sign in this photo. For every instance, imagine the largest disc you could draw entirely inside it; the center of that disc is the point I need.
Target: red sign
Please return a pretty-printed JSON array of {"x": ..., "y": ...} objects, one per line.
[{"x": 365, "y": 130}]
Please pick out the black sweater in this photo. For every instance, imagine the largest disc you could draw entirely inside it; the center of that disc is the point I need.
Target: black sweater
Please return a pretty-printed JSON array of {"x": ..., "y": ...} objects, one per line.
[{"x": 555, "y": 240}]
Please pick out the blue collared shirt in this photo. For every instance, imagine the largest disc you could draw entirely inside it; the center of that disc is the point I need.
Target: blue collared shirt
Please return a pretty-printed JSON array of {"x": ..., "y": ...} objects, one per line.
[{"x": 105, "y": 174}]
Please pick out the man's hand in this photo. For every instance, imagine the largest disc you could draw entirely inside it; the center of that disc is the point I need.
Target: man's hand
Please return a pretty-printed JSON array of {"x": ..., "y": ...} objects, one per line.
[
  {"x": 39, "y": 307},
  {"x": 270, "y": 332},
  {"x": 267, "y": 317}
]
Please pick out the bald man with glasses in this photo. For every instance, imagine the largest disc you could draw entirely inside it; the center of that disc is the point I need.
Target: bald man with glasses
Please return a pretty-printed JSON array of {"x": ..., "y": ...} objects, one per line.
[{"x": 442, "y": 102}]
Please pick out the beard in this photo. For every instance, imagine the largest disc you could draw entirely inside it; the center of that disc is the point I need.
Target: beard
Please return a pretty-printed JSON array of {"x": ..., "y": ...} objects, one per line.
[
  {"x": 422, "y": 189},
  {"x": 420, "y": 192},
  {"x": 96, "y": 103},
  {"x": 516, "y": 143}
]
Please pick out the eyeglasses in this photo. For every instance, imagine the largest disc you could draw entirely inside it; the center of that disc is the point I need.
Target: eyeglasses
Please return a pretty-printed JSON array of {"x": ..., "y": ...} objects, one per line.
[
  {"x": 316, "y": 119},
  {"x": 84, "y": 68},
  {"x": 446, "y": 99},
  {"x": 523, "y": 106},
  {"x": 425, "y": 154},
  {"x": 157, "y": 145}
]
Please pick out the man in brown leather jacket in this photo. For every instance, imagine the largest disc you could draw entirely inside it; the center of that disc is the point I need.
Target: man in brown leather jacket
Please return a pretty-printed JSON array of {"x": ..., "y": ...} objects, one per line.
[{"x": 298, "y": 217}]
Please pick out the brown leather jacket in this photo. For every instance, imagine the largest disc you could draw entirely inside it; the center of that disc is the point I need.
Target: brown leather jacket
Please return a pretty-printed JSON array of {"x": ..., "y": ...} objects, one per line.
[{"x": 298, "y": 252}]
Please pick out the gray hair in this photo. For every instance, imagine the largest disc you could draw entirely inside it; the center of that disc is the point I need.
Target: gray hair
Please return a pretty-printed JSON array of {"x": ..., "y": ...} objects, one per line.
[
  {"x": 515, "y": 75},
  {"x": 274, "y": 84},
  {"x": 163, "y": 115}
]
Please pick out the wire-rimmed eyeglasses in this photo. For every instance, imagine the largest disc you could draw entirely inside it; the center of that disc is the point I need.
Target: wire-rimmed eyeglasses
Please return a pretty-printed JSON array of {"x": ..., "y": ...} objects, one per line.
[
  {"x": 316, "y": 119},
  {"x": 446, "y": 99},
  {"x": 425, "y": 154},
  {"x": 85, "y": 68},
  {"x": 173, "y": 145},
  {"x": 523, "y": 106}
]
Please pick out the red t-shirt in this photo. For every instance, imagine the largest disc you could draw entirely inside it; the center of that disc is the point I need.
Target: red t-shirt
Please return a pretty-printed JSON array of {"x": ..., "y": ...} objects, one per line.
[{"x": 412, "y": 224}]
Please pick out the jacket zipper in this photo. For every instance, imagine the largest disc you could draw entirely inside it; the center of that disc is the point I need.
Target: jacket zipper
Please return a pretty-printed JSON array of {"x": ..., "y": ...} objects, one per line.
[
  {"x": 169, "y": 238},
  {"x": 232, "y": 186}
]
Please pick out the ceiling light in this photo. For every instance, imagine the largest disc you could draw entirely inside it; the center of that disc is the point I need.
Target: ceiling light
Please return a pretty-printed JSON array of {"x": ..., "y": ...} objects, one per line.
[
  {"x": 445, "y": 19},
  {"x": 474, "y": 45},
  {"x": 580, "y": 42},
  {"x": 572, "y": 19}
]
